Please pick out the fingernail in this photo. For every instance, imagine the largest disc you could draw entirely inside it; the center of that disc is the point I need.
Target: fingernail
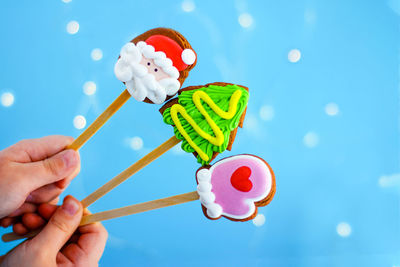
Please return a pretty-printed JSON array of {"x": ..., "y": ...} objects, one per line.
[
  {"x": 29, "y": 198},
  {"x": 70, "y": 206},
  {"x": 70, "y": 158}
]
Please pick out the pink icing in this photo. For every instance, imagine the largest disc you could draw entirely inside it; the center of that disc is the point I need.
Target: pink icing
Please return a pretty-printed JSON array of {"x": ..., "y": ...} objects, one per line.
[{"x": 235, "y": 203}]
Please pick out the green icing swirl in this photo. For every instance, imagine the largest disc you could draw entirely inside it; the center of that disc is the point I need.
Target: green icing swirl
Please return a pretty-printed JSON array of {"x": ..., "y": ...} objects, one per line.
[{"x": 221, "y": 96}]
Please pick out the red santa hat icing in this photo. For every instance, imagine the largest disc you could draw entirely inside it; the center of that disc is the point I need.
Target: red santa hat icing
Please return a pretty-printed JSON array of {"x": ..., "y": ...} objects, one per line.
[{"x": 180, "y": 57}]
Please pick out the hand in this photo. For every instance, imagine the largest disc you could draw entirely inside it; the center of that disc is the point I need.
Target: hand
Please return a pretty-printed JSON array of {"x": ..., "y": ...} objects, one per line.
[
  {"x": 57, "y": 244},
  {"x": 34, "y": 171}
]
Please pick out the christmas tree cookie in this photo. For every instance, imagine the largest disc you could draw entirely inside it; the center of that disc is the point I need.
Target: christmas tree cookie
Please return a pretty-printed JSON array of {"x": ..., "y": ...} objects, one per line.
[{"x": 206, "y": 118}]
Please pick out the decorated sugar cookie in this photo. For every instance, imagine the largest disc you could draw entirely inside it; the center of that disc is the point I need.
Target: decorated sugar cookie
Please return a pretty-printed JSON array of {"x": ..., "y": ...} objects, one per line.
[
  {"x": 154, "y": 65},
  {"x": 234, "y": 187},
  {"x": 206, "y": 118}
]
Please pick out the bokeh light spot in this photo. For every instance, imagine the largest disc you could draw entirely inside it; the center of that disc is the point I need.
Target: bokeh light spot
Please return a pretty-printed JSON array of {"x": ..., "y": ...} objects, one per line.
[
  {"x": 7, "y": 99},
  {"x": 79, "y": 122},
  {"x": 343, "y": 229},
  {"x": 188, "y": 6},
  {"x": 332, "y": 109},
  {"x": 259, "y": 220},
  {"x": 136, "y": 143},
  {"x": 251, "y": 123},
  {"x": 96, "y": 54},
  {"x": 294, "y": 55},
  {"x": 392, "y": 180},
  {"x": 89, "y": 88},
  {"x": 72, "y": 27},
  {"x": 267, "y": 113},
  {"x": 245, "y": 20},
  {"x": 311, "y": 139}
]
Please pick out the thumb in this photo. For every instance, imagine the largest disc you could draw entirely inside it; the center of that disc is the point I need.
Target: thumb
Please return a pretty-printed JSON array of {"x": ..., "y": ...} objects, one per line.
[
  {"x": 60, "y": 227},
  {"x": 52, "y": 169}
]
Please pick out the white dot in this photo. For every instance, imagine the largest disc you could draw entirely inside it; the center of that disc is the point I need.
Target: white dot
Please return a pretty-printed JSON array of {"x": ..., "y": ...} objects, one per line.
[
  {"x": 7, "y": 99},
  {"x": 96, "y": 54},
  {"x": 79, "y": 122},
  {"x": 294, "y": 55},
  {"x": 332, "y": 109},
  {"x": 72, "y": 27},
  {"x": 188, "y": 6},
  {"x": 267, "y": 113},
  {"x": 259, "y": 220},
  {"x": 311, "y": 139},
  {"x": 89, "y": 88},
  {"x": 66, "y": 1},
  {"x": 136, "y": 143},
  {"x": 245, "y": 20},
  {"x": 343, "y": 229}
]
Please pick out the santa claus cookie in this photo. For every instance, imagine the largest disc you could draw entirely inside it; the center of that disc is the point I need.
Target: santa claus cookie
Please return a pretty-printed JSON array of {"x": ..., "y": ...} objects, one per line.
[
  {"x": 234, "y": 187},
  {"x": 154, "y": 65},
  {"x": 206, "y": 118}
]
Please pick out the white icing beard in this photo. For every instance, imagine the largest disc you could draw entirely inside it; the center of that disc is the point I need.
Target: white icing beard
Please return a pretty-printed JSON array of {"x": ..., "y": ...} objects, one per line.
[
  {"x": 138, "y": 81},
  {"x": 207, "y": 197}
]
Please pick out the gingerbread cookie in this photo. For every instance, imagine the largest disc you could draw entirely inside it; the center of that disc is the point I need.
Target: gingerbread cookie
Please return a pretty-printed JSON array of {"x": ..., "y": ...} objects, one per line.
[
  {"x": 235, "y": 186},
  {"x": 206, "y": 118},
  {"x": 155, "y": 64}
]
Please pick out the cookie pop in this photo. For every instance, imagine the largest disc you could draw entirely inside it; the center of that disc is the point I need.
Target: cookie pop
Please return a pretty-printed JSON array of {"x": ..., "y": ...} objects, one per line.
[
  {"x": 153, "y": 66},
  {"x": 204, "y": 117},
  {"x": 232, "y": 188}
]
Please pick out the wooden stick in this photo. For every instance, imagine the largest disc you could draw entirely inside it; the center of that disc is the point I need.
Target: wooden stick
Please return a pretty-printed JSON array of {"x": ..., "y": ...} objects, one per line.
[
  {"x": 99, "y": 122},
  {"x": 138, "y": 208},
  {"x": 140, "y": 164},
  {"x": 13, "y": 236},
  {"x": 143, "y": 162},
  {"x": 125, "y": 211}
]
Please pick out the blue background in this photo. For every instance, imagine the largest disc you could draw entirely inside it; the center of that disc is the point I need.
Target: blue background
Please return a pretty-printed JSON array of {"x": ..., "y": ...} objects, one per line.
[{"x": 329, "y": 169}]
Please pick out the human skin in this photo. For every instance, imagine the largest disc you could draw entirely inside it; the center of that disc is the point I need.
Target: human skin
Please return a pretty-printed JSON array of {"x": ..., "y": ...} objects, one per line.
[
  {"x": 61, "y": 242},
  {"x": 33, "y": 173}
]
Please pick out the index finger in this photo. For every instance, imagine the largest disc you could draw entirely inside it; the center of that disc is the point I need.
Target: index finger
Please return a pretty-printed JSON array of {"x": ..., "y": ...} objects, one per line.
[{"x": 31, "y": 150}]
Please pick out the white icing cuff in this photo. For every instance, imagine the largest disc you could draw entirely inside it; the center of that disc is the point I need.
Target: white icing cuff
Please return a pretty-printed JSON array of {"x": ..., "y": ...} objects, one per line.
[
  {"x": 188, "y": 56},
  {"x": 207, "y": 197},
  {"x": 214, "y": 211}
]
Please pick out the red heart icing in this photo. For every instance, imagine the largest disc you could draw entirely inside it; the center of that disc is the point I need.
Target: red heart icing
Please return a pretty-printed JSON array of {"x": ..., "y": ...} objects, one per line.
[{"x": 240, "y": 179}]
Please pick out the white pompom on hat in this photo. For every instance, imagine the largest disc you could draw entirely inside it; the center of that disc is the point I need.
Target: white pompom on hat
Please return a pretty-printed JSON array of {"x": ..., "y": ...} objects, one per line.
[
  {"x": 188, "y": 56},
  {"x": 179, "y": 56}
]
